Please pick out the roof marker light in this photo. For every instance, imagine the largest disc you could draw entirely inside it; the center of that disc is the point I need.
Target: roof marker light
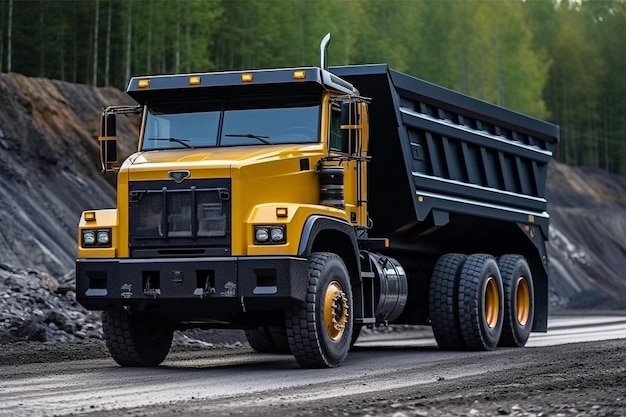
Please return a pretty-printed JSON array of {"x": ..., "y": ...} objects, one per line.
[
  {"x": 282, "y": 212},
  {"x": 299, "y": 75},
  {"x": 195, "y": 80},
  {"x": 143, "y": 83},
  {"x": 247, "y": 77}
]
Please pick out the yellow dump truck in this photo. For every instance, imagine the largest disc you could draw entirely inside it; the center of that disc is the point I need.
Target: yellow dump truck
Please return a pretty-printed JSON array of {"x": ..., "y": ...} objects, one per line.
[{"x": 302, "y": 204}]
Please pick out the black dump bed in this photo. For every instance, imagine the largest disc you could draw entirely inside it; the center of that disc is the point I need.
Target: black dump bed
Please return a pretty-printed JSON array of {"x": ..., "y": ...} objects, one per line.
[
  {"x": 450, "y": 173},
  {"x": 438, "y": 154}
]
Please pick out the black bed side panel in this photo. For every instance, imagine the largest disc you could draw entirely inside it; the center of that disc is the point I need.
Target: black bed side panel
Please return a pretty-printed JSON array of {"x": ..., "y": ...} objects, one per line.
[
  {"x": 451, "y": 173},
  {"x": 436, "y": 150}
]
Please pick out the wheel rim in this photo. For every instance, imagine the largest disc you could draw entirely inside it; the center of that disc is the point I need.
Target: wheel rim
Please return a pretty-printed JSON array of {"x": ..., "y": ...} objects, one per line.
[
  {"x": 492, "y": 303},
  {"x": 522, "y": 304},
  {"x": 335, "y": 311}
]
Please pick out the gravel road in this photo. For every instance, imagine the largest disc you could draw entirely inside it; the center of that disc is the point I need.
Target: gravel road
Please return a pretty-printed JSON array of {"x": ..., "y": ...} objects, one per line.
[{"x": 378, "y": 379}]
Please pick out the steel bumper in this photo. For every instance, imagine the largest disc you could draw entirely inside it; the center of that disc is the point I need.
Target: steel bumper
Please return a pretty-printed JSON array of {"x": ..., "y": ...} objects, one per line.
[{"x": 201, "y": 285}]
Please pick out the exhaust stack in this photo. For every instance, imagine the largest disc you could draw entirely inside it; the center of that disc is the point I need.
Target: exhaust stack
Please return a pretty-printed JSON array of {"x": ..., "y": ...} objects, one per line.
[{"x": 324, "y": 52}]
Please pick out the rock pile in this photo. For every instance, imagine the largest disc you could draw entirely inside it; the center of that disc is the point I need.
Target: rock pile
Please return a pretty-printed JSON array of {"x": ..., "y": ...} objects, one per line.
[{"x": 34, "y": 306}]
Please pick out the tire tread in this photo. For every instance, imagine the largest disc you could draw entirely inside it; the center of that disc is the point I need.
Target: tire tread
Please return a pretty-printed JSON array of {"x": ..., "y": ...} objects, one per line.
[
  {"x": 302, "y": 330},
  {"x": 442, "y": 301},
  {"x": 510, "y": 338},
  {"x": 469, "y": 308},
  {"x": 126, "y": 345}
]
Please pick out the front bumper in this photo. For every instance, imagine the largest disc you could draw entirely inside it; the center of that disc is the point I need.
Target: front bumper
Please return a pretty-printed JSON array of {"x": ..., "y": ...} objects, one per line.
[{"x": 193, "y": 288}]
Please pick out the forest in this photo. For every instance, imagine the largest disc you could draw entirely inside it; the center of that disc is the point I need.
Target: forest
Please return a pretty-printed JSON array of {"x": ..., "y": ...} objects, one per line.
[{"x": 559, "y": 60}]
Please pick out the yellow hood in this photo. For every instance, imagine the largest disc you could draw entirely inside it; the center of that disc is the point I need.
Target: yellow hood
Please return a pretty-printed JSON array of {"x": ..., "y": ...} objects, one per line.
[
  {"x": 220, "y": 161},
  {"x": 223, "y": 155}
]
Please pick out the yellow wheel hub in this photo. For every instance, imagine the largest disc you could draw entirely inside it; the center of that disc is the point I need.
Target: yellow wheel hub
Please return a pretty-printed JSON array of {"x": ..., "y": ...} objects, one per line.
[
  {"x": 492, "y": 303},
  {"x": 522, "y": 302},
  {"x": 335, "y": 310}
]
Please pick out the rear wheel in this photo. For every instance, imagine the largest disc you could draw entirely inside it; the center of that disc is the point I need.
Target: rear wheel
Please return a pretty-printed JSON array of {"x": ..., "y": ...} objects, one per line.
[
  {"x": 519, "y": 300},
  {"x": 480, "y": 302},
  {"x": 268, "y": 339},
  {"x": 279, "y": 336},
  {"x": 260, "y": 339},
  {"x": 443, "y": 296},
  {"x": 319, "y": 331},
  {"x": 356, "y": 332},
  {"x": 139, "y": 339}
]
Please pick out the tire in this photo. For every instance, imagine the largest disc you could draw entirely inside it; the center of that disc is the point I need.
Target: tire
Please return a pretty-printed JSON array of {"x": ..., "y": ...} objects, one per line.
[
  {"x": 139, "y": 339},
  {"x": 519, "y": 300},
  {"x": 279, "y": 336},
  {"x": 442, "y": 301},
  {"x": 319, "y": 330},
  {"x": 356, "y": 332},
  {"x": 260, "y": 339},
  {"x": 268, "y": 339},
  {"x": 480, "y": 302}
]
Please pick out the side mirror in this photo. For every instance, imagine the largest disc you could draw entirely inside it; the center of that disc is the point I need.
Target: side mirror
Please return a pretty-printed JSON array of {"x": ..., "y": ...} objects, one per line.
[
  {"x": 107, "y": 140},
  {"x": 349, "y": 126}
]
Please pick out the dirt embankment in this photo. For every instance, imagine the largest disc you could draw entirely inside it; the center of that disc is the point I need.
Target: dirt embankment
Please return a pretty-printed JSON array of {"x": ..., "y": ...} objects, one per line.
[
  {"x": 587, "y": 245},
  {"x": 48, "y": 168},
  {"x": 49, "y": 174}
]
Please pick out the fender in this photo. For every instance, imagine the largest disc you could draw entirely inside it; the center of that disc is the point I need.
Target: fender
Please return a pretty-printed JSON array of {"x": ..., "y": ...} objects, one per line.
[
  {"x": 346, "y": 248},
  {"x": 316, "y": 224}
]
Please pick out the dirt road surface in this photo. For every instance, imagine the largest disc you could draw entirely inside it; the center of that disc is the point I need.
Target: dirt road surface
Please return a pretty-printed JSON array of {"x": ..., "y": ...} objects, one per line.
[{"x": 397, "y": 374}]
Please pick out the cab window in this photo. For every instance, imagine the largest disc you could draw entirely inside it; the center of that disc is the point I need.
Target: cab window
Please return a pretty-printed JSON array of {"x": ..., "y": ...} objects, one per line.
[{"x": 336, "y": 143}]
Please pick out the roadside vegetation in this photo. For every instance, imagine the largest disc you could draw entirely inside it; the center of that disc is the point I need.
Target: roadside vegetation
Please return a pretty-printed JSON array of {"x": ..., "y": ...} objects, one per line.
[{"x": 559, "y": 60}]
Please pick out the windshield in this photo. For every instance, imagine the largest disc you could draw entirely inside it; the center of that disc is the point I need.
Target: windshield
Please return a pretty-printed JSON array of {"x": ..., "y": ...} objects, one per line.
[{"x": 232, "y": 122}]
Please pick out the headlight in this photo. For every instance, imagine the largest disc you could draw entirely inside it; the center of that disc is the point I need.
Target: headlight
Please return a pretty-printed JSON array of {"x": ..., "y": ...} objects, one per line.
[
  {"x": 103, "y": 237},
  {"x": 96, "y": 238},
  {"x": 270, "y": 234},
  {"x": 277, "y": 234},
  {"x": 261, "y": 235},
  {"x": 89, "y": 238}
]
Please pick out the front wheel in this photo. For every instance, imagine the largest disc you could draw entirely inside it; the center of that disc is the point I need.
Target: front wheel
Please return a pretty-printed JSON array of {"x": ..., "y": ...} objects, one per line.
[
  {"x": 319, "y": 330},
  {"x": 139, "y": 339}
]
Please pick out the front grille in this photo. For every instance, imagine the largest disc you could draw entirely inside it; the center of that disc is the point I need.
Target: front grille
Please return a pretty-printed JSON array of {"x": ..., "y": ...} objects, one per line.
[{"x": 166, "y": 216}]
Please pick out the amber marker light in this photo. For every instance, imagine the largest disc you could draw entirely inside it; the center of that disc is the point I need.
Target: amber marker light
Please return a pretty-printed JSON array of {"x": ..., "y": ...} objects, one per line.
[
  {"x": 299, "y": 75},
  {"x": 143, "y": 83},
  {"x": 247, "y": 77},
  {"x": 282, "y": 212},
  {"x": 90, "y": 216},
  {"x": 195, "y": 80}
]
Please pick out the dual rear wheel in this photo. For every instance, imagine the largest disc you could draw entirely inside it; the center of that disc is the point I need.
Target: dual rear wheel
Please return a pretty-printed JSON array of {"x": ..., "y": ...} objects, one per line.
[{"x": 478, "y": 302}]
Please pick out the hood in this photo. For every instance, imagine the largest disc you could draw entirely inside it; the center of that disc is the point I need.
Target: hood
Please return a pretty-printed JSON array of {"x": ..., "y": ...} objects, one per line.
[{"x": 221, "y": 156}]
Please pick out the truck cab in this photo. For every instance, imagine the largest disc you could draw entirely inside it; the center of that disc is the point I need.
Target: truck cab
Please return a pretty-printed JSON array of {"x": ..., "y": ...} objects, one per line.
[{"x": 239, "y": 177}]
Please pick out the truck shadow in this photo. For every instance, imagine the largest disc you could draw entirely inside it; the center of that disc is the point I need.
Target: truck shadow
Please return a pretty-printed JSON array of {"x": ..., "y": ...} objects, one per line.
[{"x": 252, "y": 362}]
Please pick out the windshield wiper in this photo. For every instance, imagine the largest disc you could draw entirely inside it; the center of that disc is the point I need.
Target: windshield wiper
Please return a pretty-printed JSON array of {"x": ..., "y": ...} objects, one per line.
[
  {"x": 177, "y": 140},
  {"x": 251, "y": 136}
]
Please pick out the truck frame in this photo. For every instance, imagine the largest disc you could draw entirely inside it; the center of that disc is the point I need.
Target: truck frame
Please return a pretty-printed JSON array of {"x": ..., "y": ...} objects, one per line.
[{"x": 302, "y": 204}]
